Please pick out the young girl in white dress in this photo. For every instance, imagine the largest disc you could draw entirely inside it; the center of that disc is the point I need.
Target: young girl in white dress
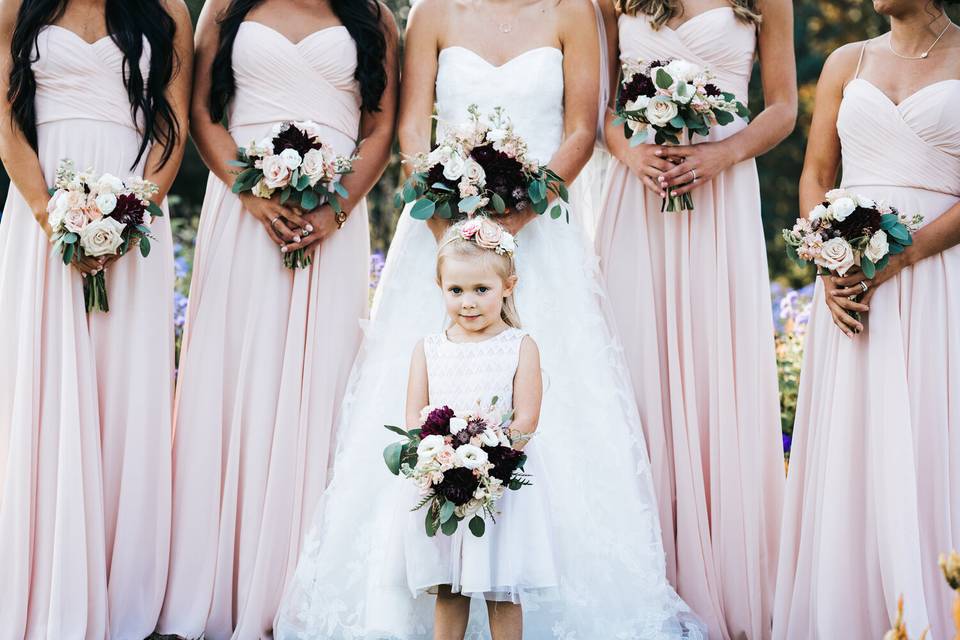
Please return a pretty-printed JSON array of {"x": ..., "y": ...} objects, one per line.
[{"x": 482, "y": 356}]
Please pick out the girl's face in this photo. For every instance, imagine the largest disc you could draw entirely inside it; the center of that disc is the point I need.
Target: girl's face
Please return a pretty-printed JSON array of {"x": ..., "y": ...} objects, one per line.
[{"x": 473, "y": 293}]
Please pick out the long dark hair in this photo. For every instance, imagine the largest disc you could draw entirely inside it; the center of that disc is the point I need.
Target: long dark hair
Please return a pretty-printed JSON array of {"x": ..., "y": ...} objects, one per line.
[
  {"x": 360, "y": 17},
  {"x": 127, "y": 23}
]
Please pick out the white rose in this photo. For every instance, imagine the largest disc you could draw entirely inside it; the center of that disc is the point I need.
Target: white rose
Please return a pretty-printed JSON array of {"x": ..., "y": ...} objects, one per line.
[
  {"x": 833, "y": 194},
  {"x": 106, "y": 202},
  {"x": 682, "y": 71},
  {"x": 836, "y": 255},
  {"x": 102, "y": 237},
  {"x": 866, "y": 203},
  {"x": 457, "y": 425},
  {"x": 842, "y": 207},
  {"x": 57, "y": 209},
  {"x": 474, "y": 172},
  {"x": 109, "y": 183},
  {"x": 453, "y": 168},
  {"x": 660, "y": 110},
  {"x": 265, "y": 146},
  {"x": 819, "y": 212},
  {"x": 75, "y": 220},
  {"x": 291, "y": 158},
  {"x": 877, "y": 247},
  {"x": 490, "y": 438},
  {"x": 471, "y": 457},
  {"x": 276, "y": 174},
  {"x": 508, "y": 243},
  {"x": 430, "y": 447},
  {"x": 313, "y": 166},
  {"x": 309, "y": 127}
]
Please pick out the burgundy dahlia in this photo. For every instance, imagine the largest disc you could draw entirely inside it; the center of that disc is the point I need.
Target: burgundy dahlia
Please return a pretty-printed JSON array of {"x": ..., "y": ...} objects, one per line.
[
  {"x": 458, "y": 485},
  {"x": 435, "y": 175},
  {"x": 712, "y": 89},
  {"x": 129, "y": 210},
  {"x": 860, "y": 223},
  {"x": 504, "y": 175},
  {"x": 639, "y": 85},
  {"x": 437, "y": 423},
  {"x": 505, "y": 461},
  {"x": 293, "y": 138}
]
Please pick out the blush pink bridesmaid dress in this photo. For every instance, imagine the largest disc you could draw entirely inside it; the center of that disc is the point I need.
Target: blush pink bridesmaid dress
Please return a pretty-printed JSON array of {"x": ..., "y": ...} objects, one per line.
[
  {"x": 690, "y": 296},
  {"x": 873, "y": 494},
  {"x": 85, "y": 401},
  {"x": 266, "y": 356}
]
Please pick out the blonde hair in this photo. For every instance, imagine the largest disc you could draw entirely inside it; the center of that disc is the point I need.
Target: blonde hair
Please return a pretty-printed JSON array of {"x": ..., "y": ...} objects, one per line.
[
  {"x": 661, "y": 11},
  {"x": 454, "y": 245}
]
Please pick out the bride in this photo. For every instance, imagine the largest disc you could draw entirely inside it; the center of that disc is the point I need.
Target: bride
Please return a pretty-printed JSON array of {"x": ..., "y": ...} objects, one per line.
[{"x": 540, "y": 61}]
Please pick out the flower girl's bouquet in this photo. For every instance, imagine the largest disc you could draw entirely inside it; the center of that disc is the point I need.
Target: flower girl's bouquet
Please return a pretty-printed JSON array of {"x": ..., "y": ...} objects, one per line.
[
  {"x": 848, "y": 230},
  {"x": 669, "y": 97},
  {"x": 461, "y": 464},
  {"x": 296, "y": 162},
  {"x": 479, "y": 167},
  {"x": 95, "y": 217}
]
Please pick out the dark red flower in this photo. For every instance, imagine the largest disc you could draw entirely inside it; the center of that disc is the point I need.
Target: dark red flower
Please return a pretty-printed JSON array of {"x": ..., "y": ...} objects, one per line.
[
  {"x": 435, "y": 175},
  {"x": 505, "y": 461},
  {"x": 639, "y": 85},
  {"x": 860, "y": 223},
  {"x": 458, "y": 485},
  {"x": 293, "y": 138},
  {"x": 129, "y": 210},
  {"x": 504, "y": 175},
  {"x": 712, "y": 89},
  {"x": 437, "y": 423}
]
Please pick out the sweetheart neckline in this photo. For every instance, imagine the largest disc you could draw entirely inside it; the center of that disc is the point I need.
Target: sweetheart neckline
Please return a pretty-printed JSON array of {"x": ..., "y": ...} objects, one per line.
[
  {"x": 78, "y": 36},
  {"x": 301, "y": 40},
  {"x": 897, "y": 105},
  {"x": 692, "y": 18},
  {"x": 505, "y": 63}
]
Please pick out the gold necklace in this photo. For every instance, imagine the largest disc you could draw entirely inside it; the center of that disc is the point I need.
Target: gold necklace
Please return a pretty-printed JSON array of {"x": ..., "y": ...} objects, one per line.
[{"x": 923, "y": 55}]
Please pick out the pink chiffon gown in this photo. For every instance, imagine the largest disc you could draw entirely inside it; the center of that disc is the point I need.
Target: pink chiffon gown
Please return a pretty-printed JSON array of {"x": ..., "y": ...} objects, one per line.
[
  {"x": 690, "y": 296},
  {"x": 85, "y": 401},
  {"x": 266, "y": 357},
  {"x": 873, "y": 493}
]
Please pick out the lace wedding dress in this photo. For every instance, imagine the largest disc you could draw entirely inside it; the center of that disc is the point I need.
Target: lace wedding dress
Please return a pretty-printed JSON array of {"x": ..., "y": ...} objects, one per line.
[{"x": 350, "y": 582}]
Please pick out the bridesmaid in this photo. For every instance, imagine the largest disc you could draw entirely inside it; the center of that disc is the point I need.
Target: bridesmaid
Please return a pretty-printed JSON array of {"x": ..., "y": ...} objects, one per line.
[
  {"x": 691, "y": 299},
  {"x": 874, "y": 493},
  {"x": 268, "y": 350},
  {"x": 85, "y": 401}
]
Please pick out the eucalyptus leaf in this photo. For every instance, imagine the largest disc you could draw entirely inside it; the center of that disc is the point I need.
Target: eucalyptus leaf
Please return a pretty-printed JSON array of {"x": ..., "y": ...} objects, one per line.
[
  {"x": 446, "y": 511},
  {"x": 439, "y": 186},
  {"x": 564, "y": 194},
  {"x": 469, "y": 204},
  {"x": 662, "y": 79},
  {"x": 68, "y": 253},
  {"x": 450, "y": 526},
  {"x": 409, "y": 193},
  {"x": 724, "y": 117},
  {"x": 477, "y": 526},
  {"x": 422, "y": 209},
  {"x": 154, "y": 210},
  {"x": 539, "y": 206},
  {"x": 678, "y": 122},
  {"x": 443, "y": 211},
  {"x": 431, "y": 523},
  {"x": 556, "y": 211},
  {"x": 498, "y": 204},
  {"x": 309, "y": 200},
  {"x": 340, "y": 190},
  {"x": 144, "y": 246},
  {"x": 868, "y": 267},
  {"x": 391, "y": 455},
  {"x": 285, "y": 195}
]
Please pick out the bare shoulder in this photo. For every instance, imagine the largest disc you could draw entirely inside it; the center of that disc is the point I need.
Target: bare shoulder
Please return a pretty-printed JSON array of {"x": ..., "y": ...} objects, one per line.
[
  {"x": 388, "y": 23},
  {"x": 177, "y": 9},
  {"x": 8, "y": 15},
  {"x": 575, "y": 12},
  {"x": 429, "y": 12},
  {"x": 529, "y": 348},
  {"x": 841, "y": 65},
  {"x": 608, "y": 10}
]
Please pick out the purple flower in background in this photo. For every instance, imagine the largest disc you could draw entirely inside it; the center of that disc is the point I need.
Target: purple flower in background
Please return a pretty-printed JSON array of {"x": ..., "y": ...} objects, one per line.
[
  {"x": 179, "y": 311},
  {"x": 787, "y": 442},
  {"x": 376, "y": 268}
]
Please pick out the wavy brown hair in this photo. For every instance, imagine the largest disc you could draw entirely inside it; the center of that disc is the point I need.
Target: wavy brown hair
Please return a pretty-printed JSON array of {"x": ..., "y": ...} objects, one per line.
[{"x": 661, "y": 11}]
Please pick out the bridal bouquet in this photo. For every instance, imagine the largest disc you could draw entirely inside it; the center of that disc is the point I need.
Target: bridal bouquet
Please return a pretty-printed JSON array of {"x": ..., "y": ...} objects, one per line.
[
  {"x": 670, "y": 97},
  {"x": 94, "y": 217},
  {"x": 294, "y": 161},
  {"x": 461, "y": 464},
  {"x": 479, "y": 167}
]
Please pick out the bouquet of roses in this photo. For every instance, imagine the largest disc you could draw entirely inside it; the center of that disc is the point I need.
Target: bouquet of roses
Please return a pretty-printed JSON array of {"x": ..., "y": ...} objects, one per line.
[
  {"x": 480, "y": 167},
  {"x": 670, "y": 97},
  {"x": 94, "y": 217},
  {"x": 461, "y": 464},
  {"x": 847, "y": 230},
  {"x": 294, "y": 161}
]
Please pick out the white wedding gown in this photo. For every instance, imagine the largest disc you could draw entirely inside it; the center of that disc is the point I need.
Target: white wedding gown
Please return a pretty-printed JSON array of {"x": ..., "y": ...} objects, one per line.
[{"x": 350, "y": 581}]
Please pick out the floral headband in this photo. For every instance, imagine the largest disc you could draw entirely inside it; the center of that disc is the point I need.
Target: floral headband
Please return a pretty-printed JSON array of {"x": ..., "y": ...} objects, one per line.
[{"x": 486, "y": 233}]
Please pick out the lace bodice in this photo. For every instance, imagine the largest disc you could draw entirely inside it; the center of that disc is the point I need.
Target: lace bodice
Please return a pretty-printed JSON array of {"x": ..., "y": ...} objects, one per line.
[
  {"x": 461, "y": 374},
  {"x": 528, "y": 86}
]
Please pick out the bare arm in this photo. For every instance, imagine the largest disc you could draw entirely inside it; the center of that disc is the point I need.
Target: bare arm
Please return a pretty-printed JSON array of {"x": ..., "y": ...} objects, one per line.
[
  {"x": 527, "y": 390},
  {"x": 778, "y": 72},
  {"x": 178, "y": 94},
  {"x": 418, "y": 395},
  {"x": 19, "y": 158}
]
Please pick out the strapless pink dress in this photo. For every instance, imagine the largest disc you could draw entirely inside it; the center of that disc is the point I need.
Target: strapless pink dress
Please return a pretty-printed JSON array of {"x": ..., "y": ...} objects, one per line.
[
  {"x": 690, "y": 295},
  {"x": 266, "y": 357},
  {"x": 873, "y": 494},
  {"x": 72, "y": 386}
]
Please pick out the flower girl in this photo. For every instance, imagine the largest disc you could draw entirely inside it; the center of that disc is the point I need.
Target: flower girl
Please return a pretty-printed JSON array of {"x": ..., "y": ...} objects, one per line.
[{"x": 483, "y": 359}]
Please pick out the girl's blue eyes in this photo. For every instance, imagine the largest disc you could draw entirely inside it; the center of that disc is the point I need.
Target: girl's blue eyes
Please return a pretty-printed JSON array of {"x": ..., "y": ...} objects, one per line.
[{"x": 457, "y": 290}]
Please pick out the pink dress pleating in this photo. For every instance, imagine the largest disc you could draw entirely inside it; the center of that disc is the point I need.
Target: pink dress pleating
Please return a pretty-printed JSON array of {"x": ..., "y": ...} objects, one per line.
[
  {"x": 266, "y": 357},
  {"x": 82, "y": 531},
  {"x": 690, "y": 296},
  {"x": 874, "y": 484}
]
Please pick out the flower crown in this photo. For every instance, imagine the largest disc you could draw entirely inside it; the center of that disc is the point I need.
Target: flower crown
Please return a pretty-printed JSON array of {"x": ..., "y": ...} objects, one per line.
[{"x": 486, "y": 234}]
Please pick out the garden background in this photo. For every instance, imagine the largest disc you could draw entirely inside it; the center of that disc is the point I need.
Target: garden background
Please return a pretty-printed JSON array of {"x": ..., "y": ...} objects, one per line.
[{"x": 820, "y": 27}]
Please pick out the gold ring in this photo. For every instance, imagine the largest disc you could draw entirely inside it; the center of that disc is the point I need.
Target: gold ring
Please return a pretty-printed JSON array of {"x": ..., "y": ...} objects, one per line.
[{"x": 274, "y": 221}]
